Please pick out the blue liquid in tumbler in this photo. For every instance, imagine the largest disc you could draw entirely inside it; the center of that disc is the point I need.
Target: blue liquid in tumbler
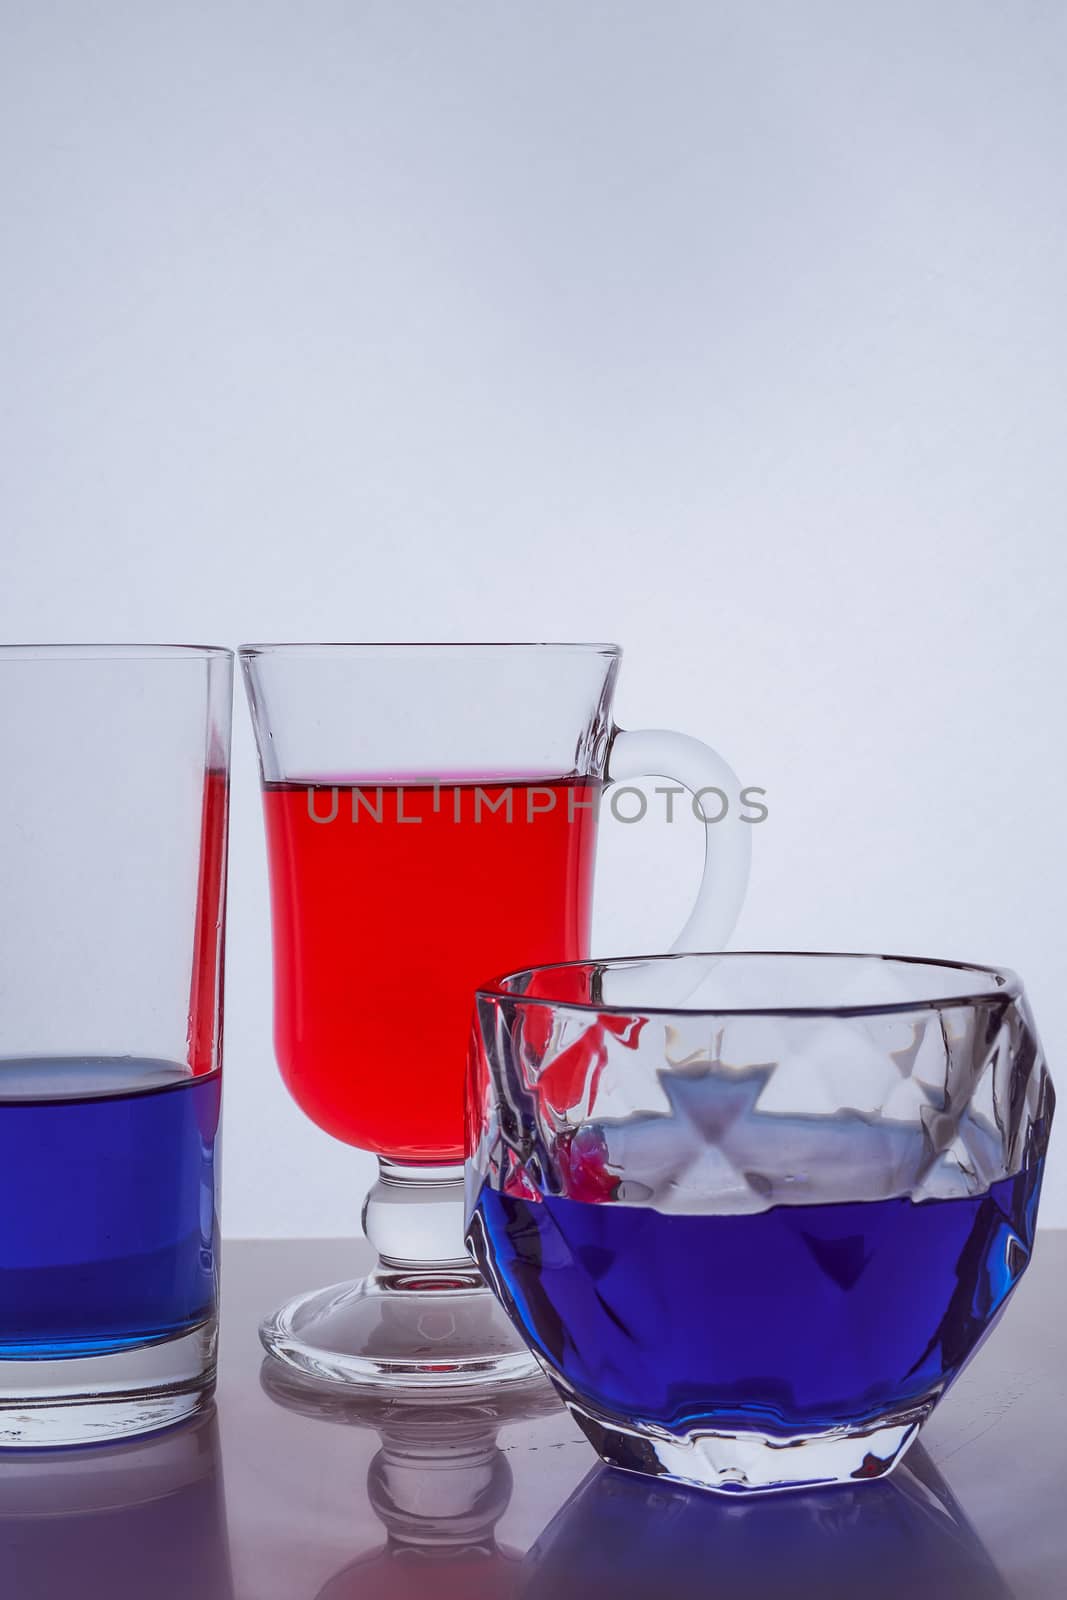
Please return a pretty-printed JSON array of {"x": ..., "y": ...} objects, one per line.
[
  {"x": 793, "y": 1319},
  {"x": 108, "y": 1200}
]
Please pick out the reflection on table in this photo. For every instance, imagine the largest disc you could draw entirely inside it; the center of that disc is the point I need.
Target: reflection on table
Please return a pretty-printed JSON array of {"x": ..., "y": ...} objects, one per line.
[
  {"x": 626, "y": 1536},
  {"x": 439, "y": 1484},
  {"x": 144, "y": 1520}
]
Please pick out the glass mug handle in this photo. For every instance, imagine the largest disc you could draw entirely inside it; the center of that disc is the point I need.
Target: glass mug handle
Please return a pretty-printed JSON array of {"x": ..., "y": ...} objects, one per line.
[{"x": 656, "y": 752}]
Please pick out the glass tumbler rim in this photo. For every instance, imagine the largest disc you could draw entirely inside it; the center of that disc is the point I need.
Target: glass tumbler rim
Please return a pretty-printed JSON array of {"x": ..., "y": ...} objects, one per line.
[
  {"x": 1004, "y": 986},
  {"x": 341, "y": 647},
  {"x": 114, "y": 652}
]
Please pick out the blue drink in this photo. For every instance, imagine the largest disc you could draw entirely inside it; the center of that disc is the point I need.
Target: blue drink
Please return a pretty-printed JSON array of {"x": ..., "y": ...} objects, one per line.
[
  {"x": 795, "y": 1319},
  {"x": 108, "y": 1191}
]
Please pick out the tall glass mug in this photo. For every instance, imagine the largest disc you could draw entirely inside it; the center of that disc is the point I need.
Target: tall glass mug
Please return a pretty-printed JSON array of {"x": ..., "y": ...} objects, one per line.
[
  {"x": 431, "y": 816},
  {"x": 113, "y": 810}
]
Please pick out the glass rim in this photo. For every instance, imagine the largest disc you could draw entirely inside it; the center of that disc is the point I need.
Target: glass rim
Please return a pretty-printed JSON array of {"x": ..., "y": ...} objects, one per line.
[
  {"x": 1006, "y": 986},
  {"x": 342, "y": 647},
  {"x": 114, "y": 652}
]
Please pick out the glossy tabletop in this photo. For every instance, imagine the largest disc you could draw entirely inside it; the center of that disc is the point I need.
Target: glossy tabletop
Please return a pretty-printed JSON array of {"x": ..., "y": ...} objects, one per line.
[{"x": 289, "y": 1494}]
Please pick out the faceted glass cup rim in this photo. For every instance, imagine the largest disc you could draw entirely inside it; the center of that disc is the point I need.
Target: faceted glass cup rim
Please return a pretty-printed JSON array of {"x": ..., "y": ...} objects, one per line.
[
  {"x": 1002, "y": 986},
  {"x": 114, "y": 652},
  {"x": 327, "y": 648}
]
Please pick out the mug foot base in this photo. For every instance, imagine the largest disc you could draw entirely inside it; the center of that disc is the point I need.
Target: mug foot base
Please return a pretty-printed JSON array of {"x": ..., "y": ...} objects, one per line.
[
  {"x": 423, "y": 1332},
  {"x": 748, "y": 1462}
]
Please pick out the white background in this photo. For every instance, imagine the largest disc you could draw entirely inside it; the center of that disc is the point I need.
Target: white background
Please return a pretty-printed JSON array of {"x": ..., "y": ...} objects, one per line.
[{"x": 730, "y": 331}]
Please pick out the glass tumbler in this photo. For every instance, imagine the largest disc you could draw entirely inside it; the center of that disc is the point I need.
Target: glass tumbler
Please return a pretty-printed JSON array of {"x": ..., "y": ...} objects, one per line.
[
  {"x": 113, "y": 817},
  {"x": 755, "y": 1213}
]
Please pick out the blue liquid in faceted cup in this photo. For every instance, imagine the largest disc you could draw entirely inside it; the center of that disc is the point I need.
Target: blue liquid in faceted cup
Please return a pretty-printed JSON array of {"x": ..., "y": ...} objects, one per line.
[
  {"x": 736, "y": 1320},
  {"x": 108, "y": 1190}
]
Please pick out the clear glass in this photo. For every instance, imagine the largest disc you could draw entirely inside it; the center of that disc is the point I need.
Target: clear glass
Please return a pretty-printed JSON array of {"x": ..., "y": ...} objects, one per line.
[
  {"x": 755, "y": 1212},
  {"x": 431, "y": 820},
  {"x": 113, "y": 828}
]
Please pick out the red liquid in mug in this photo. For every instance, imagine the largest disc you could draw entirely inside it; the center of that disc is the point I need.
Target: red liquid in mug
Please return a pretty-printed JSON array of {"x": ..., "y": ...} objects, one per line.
[{"x": 391, "y": 904}]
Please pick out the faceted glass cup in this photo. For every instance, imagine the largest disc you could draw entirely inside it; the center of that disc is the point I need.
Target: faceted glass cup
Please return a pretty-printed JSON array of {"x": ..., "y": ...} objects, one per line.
[{"x": 754, "y": 1213}]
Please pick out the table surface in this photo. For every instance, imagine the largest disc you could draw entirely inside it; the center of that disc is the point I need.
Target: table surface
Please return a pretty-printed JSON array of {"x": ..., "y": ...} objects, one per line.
[{"x": 288, "y": 1495}]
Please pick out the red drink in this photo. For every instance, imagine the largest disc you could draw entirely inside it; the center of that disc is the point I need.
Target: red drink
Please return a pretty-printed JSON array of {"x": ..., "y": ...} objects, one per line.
[
  {"x": 391, "y": 904},
  {"x": 204, "y": 1035}
]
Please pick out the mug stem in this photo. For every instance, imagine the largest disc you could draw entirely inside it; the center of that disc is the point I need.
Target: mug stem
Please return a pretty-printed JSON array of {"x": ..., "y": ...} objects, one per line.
[
  {"x": 422, "y": 1318},
  {"x": 413, "y": 1217}
]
